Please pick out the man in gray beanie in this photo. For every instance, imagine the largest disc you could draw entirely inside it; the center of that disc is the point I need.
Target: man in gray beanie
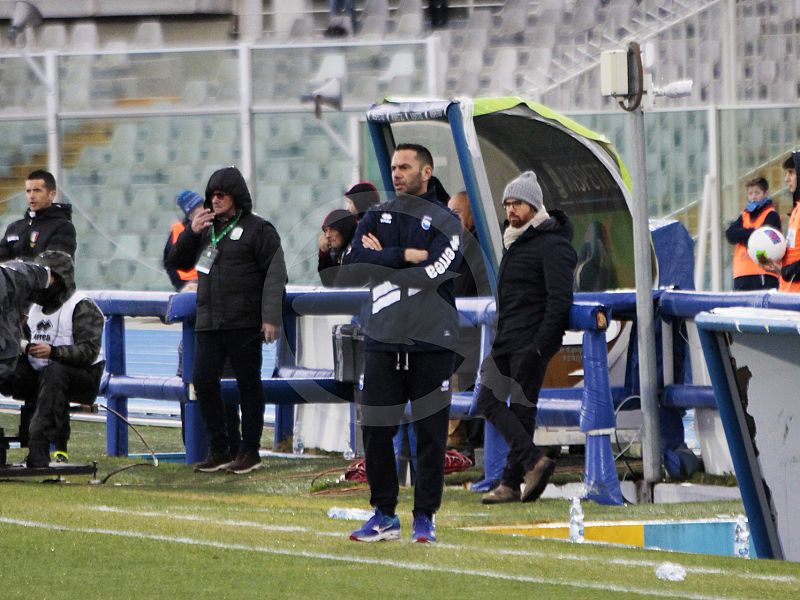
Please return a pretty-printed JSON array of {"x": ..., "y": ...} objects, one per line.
[{"x": 534, "y": 296}]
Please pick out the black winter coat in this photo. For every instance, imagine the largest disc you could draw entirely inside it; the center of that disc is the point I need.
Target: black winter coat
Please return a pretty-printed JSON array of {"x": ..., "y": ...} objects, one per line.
[
  {"x": 47, "y": 229},
  {"x": 534, "y": 289},
  {"x": 412, "y": 305},
  {"x": 246, "y": 284}
]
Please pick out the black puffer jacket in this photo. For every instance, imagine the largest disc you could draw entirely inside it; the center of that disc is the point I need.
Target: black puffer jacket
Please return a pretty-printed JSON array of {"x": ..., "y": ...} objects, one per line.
[
  {"x": 534, "y": 289},
  {"x": 246, "y": 283},
  {"x": 47, "y": 229}
]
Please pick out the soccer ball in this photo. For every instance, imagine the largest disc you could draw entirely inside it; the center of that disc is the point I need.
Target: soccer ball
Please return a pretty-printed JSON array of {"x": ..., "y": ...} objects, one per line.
[{"x": 766, "y": 244}]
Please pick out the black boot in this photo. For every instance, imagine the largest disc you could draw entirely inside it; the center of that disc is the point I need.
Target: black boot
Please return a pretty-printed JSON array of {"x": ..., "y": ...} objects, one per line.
[{"x": 38, "y": 456}]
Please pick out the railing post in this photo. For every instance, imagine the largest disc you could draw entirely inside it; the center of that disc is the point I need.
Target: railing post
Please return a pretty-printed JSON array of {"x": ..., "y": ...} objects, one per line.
[
  {"x": 116, "y": 428},
  {"x": 194, "y": 432},
  {"x": 284, "y": 413}
]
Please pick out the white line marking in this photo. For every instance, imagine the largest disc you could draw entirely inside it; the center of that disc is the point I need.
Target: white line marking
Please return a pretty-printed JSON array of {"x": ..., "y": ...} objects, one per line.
[
  {"x": 508, "y": 552},
  {"x": 230, "y": 522},
  {"x": 410, "y": 566}
]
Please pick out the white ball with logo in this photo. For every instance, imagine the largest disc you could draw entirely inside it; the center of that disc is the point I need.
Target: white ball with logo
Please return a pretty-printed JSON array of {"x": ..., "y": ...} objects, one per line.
[{"x": 766, "y": 244}]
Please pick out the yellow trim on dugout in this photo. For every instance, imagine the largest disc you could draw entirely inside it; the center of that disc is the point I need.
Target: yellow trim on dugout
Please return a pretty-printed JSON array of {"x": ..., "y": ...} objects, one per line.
[{"x": 629, "y": 534}]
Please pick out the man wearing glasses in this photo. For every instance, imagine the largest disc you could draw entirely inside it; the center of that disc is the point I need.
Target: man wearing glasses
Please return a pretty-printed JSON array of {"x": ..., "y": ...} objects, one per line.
[
  {"x": 241, "y": 285},
  {"x": 534, "y": 296}
]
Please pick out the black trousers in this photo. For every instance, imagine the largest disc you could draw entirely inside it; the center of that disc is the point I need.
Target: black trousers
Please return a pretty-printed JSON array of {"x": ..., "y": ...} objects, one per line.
[
  {"x": 391, "y": 379},
  {"x": 243, "y": 348},
  {"x": 745, "y": 283},
  {"x": 520, "y": 376},
  {"x": 47, "y": 394}
]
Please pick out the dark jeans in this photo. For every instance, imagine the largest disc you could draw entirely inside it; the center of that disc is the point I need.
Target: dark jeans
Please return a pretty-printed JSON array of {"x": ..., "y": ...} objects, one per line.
[
  {"x": 243, "y": 348},
  {"x": 746, "y": 283},
  {"x": 390, "y": 380},
  {"x": 520, "y": 376},
  {"x": 47, "y": 393}
]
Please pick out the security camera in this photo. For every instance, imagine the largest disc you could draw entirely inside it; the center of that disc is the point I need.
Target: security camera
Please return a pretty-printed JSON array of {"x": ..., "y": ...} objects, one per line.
[{"x": 676, "y": 89}]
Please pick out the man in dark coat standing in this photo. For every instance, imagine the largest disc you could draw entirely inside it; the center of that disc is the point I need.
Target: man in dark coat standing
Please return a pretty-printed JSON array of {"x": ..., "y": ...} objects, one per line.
[
  {"x": 408, "y": 248},
  {"x": 241, "y": 285},
  {"x": 47, "y": 225},
  {"x": 534, "y": 296}
]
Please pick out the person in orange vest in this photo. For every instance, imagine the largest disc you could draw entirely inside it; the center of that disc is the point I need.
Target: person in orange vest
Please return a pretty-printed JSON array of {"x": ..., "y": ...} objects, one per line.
[
  {"x": 182, "y": 280},
  {"x": 790, "y": 270},
  {"x": 759, "y": 211}
]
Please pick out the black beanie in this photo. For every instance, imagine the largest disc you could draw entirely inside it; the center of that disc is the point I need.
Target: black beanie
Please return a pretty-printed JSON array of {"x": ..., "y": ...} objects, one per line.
[
  {"x": 363, "y": 195},
  {"x": 342, "y": 221}
]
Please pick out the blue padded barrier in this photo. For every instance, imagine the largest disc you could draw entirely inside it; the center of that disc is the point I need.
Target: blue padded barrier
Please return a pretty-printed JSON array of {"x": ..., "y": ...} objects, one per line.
[
  {"x": 689, "y": 396},
  {"x": 590, "y": 407},
  {"x": 294, "y": 384}
]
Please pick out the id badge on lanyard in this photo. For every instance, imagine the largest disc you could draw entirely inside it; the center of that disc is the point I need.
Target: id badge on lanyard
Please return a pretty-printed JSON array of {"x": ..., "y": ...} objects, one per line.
[{"x": 206, "y": 260}]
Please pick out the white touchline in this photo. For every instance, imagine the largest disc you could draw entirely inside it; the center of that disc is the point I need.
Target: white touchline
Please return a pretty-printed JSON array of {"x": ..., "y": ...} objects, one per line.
[
  {"x": 622, "y": 561},
  {"x": 410, "y": 566},
  {"x": 508, "y": 552},
  {"x": 231, "y": 522}
]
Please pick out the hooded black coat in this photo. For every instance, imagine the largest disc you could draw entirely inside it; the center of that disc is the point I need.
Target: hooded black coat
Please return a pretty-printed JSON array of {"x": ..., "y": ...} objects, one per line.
[
  {"x": 48, "y": 229},
  {"x": 245, "y": 286},
  {"x": 534, "y": 289}
]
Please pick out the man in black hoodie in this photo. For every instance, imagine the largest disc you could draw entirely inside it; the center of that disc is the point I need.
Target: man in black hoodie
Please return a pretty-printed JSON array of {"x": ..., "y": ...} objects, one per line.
[
  {"x": 408, "y": 250},
  {"x": 60, "y": 362},
  {"x": 534, "y": 296},
  {"x": 240, "y": 289},
  {"x": 45, "y": 226}
]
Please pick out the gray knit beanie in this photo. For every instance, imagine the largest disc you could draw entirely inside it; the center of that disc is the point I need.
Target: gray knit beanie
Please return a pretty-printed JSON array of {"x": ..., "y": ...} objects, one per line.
[{"x": 525, "y": 188}]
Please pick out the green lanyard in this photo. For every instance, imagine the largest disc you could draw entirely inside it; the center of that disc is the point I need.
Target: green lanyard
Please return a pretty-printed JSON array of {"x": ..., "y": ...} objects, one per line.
[{"x": 215, "y": 239}]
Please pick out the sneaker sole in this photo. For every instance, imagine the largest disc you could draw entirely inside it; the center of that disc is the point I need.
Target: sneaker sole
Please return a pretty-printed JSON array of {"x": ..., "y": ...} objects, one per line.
[
  {"x": 211, "y": 469},
  {"x": 386, "y": 536},
  {"x": 533, "y": 494},
  {"x": 243, "y": 471}
]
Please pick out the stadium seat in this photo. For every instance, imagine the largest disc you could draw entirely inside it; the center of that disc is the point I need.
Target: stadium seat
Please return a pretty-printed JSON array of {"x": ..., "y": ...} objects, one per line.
[
  {"x": 373, "y": 27},
  {"x": 502, "y": 73},
  {"x": 84, "y": 37},
  {"x": 400, "y": 65},
  {"x": 333, "y": 66},
  {"x": 53, "y": 36},
  {"x": 148, "y": 34}
]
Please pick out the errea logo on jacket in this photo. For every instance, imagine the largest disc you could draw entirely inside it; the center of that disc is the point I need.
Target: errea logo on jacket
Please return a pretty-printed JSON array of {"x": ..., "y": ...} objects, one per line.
[{"x": 439, "y": 266}]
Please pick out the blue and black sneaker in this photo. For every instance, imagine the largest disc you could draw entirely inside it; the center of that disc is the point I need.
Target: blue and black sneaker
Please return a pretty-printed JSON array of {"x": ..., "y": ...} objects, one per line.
[
  {"x": 424, "y": 531},
  {"x": 379, "y": 527}
]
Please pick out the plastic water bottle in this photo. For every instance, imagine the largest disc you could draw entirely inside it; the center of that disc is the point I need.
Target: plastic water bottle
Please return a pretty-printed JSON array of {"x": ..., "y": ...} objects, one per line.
[
  {"x": 349, "y": 514},
  {"x": 297, "y": 441},
  {"x": 741, "y": 538},
  {"x": 576, "y": 521}
]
